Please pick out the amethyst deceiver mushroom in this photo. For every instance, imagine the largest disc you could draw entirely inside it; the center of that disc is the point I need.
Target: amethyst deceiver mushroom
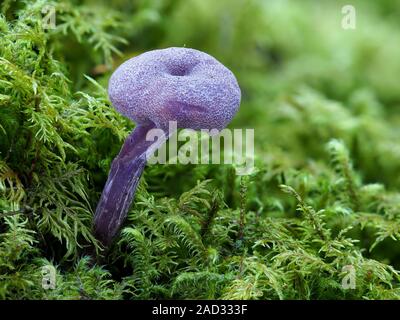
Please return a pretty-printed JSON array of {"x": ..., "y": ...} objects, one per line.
[{"x": 174, "y": 84}]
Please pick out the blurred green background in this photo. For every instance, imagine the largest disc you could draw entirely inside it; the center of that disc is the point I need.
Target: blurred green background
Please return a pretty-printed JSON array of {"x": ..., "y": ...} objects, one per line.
[{"x": 304, "y": 78}]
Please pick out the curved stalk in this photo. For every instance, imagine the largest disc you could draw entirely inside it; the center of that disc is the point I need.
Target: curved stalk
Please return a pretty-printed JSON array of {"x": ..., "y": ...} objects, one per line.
[{"x": 119, "y": 190}]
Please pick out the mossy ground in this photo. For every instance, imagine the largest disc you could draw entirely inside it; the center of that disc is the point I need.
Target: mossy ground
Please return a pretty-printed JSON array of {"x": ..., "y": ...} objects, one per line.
[{"x": 324, "y": 103}]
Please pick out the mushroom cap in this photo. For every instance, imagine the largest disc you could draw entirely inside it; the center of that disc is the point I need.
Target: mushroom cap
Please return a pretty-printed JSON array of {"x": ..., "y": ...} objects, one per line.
[{"x": 175, "y": 84}]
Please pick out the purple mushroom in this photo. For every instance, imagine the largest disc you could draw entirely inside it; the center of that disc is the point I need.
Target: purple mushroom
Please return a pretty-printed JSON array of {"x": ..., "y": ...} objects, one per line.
[{"x": 175, "y": 84}]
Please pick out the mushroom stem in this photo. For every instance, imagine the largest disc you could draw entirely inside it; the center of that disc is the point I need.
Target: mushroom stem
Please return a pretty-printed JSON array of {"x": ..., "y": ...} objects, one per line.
[{"x": 126, "y": 170}]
